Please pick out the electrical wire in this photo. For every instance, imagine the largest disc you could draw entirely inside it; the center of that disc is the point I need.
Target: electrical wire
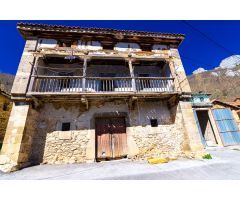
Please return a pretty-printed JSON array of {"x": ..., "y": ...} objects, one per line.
[{"x": 208, "y": 38}]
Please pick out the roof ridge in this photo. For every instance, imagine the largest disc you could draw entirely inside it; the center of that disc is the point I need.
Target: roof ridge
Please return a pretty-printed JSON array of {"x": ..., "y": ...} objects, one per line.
[{"x": 97, "y": 28}]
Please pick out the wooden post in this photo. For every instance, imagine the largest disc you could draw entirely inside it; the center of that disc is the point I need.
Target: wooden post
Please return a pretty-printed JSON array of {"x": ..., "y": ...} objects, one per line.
[
  {"x": 84, "y": 74},
  {"x": 132, "y": 74},
  {"x": 31, "y": 81}
]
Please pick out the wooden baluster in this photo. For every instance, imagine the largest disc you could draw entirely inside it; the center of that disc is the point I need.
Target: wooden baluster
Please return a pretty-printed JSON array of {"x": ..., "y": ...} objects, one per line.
[
  {"x": 45, "y": 85},
  {"x": 59, "y": 84},
  {"x": 84, "y": 74},
  {"x": 153, "y": 85},
  {"x": 41, "y": 85},
  {"x": 165, "y": 86},
  {"x": 50, "y": 88},
  {"x": 50, "y": 85},
  {"x": 55, "y": 85},
  {"x": 161, "y": 85},
  {"x": 73, "y": 85},
  {"x": 121, "y": 86},
  {"x": 79, "y": 84},
  {"x": 35, "y": 85},
  {"x": 168, "y": 88},
  {"x": 112, "y": 81},
  {"x": 69, "y": 81},
  {"x": 103, "y": 85}
]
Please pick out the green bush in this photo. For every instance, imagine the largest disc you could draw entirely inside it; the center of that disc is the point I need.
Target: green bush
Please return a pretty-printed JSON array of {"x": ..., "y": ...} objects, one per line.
[{"x": 207, "y": 156}]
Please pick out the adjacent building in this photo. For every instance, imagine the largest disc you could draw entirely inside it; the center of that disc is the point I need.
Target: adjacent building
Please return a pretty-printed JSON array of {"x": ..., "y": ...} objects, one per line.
[
  {"x": 5, "y": 109},
  {"x": 217, "y": 121},
  {"x": 92, "y": 94}
]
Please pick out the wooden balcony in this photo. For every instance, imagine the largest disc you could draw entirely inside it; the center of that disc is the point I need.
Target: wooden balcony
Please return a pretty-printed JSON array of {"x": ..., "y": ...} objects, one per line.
[{"x": 67, "y": 85}]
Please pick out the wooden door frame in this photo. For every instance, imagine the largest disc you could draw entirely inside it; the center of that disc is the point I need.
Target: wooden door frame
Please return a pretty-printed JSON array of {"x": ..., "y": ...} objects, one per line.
[{"x": 107, "y": 115}]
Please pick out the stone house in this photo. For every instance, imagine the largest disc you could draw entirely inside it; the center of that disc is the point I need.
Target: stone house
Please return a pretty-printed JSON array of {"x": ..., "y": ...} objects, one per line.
[
  {"x": 92, "y": 94},
  {"x": 5, "y": 109}
]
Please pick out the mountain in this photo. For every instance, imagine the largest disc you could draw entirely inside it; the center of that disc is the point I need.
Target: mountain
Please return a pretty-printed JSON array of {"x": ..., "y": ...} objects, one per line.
[
  {"x": 6, "y": 81},
  {"x": 222, "y": 82}
]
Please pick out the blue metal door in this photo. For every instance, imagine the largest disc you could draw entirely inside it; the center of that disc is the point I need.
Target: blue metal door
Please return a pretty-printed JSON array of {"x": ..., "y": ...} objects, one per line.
[
  {"x": 199, "y": 129},
  {"x": 227, "y": 126}
]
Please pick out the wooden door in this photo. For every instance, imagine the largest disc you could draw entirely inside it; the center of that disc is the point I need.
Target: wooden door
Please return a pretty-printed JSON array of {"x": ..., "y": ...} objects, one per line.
[
  {"x": 104, "y": 149},
  {"x": 119, "y": 137},
  {"x": 111, "y": 141}
]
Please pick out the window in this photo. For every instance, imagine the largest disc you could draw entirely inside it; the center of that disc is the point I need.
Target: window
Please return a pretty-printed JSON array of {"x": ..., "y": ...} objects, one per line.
[
  {"x": 47, "y": 43},
  {"x": 201, "y": 99},
  {"x": 122, "y": 46},
  {"x": 5, "y": 106},
  {"x": 154, "y": 122},
  {"x": 91, "y": 45},
  {"x": 66, "y": 126},
  {"x": 66, "y": 43},
  {"x": 159, "y": 47}
]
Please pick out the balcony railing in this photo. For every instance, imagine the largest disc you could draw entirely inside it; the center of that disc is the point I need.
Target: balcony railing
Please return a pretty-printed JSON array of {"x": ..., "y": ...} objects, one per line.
[{"x": 79, "y": 84}]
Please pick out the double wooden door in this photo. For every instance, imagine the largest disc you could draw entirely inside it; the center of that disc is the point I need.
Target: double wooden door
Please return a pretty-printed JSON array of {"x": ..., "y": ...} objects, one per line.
[{"x": 111, "y": 139}]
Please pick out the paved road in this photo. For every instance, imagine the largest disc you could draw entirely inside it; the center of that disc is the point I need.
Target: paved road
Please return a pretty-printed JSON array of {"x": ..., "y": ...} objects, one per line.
[{"x": 224, "y": 165}]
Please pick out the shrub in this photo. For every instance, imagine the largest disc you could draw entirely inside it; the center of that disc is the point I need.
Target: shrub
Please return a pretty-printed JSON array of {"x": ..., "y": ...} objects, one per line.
[{"x": 207, "y": 156}]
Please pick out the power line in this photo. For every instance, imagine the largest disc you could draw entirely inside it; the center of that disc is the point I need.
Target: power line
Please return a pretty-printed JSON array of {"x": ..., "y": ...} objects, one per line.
[
  {"x": 207, "y": 37},
  {"x": 195, "y": 60}
]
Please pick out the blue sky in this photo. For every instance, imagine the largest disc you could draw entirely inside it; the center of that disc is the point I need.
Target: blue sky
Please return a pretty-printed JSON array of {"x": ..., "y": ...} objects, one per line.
[{"x": 196, "y": 50}]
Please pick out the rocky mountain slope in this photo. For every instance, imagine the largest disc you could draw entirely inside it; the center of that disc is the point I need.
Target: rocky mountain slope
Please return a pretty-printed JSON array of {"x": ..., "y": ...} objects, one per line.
[
  {"x": 222, "y": 82},
  {"x": 6, "y": 81}
]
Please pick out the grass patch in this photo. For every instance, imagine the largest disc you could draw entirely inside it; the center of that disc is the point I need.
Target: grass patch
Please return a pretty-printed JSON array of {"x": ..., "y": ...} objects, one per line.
[{"x": 207, "y": 156}]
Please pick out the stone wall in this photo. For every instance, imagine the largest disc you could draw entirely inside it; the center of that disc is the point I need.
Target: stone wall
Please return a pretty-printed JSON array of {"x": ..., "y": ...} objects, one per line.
[
  {"x": 51, "y": 145},
  {"x": 178, "y": 72},
  {"x": 12, "y": 154},
  {"x": 24, "y": 69},
  {"x": 34, "y": 136},
  {"x": 165, "y": 140},
  {"x": 65, "y": 147}
]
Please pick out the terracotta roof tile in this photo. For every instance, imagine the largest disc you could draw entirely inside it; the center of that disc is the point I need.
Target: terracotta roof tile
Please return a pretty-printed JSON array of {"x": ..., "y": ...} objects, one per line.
[{"x": 48, "y": 27}]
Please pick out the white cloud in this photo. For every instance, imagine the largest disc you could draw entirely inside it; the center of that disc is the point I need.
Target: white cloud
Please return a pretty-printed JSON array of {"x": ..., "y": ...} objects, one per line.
[
  {"x": 230, "y": 73},
  {"x": 199, "y": 70},
  {"x": 229, "y": 62},
  {"x": 214, "y": 73}
]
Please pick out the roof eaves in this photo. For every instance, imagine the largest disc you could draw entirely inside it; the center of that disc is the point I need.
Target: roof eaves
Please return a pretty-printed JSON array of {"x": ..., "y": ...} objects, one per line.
[{"x": 48, "y": 27}]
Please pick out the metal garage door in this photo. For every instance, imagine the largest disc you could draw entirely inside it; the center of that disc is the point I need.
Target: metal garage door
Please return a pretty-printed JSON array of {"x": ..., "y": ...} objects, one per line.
[{"x": 227, "y": 126}]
